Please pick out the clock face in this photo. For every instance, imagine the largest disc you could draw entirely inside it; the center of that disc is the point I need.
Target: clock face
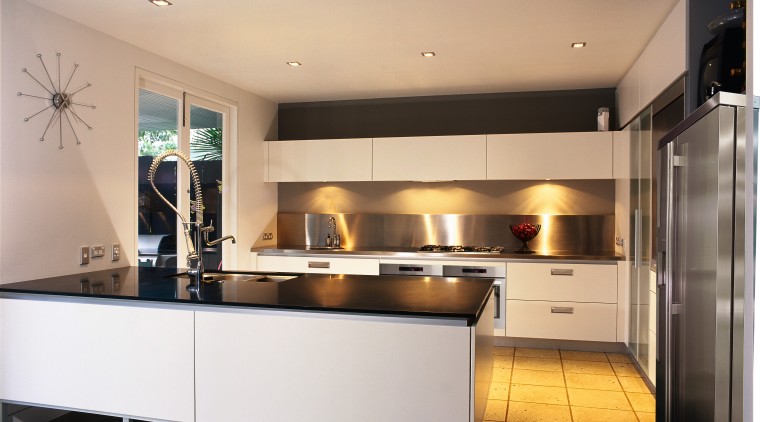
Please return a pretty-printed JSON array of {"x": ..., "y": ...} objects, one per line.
[{"x": 64, "y": 107}]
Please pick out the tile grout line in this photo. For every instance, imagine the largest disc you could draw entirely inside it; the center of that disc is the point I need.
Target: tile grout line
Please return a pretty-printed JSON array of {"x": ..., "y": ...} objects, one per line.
[
  {"x": 624, "y": 392},
  {"x": 567, "y": 392},
  {"x": 509, "y": 394}
]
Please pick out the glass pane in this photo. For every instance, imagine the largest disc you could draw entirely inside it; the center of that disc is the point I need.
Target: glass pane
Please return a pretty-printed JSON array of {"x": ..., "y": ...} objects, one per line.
[
  {"x": 645, "y": 204},
  {"x": 157, "y": 223},
  {"x": 206, "y": 153}
]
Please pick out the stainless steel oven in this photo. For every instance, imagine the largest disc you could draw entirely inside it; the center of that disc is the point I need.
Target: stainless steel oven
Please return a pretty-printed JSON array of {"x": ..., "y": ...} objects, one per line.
[{"x": 496, "y": 271}]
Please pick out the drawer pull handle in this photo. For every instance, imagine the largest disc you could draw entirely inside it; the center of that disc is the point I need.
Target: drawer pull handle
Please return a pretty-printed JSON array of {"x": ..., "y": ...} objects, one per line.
[
  {"x": 319, "y": 264},
  {"x": 563, "y": 310},
  {"x": 562, "y": 271}
]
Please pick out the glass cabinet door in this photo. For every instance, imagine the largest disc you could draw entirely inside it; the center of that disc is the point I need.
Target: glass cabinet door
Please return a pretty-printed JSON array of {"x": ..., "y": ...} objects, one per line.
[{"x": 641, "y": 236}]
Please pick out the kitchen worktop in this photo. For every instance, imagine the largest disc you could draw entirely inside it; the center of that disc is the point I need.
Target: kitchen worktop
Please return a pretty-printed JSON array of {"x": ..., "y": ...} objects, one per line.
[
  {"x": 433, "y": 297},
  {"x": 413, "y": 253}
]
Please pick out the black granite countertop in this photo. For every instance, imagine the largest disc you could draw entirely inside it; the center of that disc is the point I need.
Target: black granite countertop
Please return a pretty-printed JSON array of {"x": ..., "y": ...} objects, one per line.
[{"x": 433, "y": 297}]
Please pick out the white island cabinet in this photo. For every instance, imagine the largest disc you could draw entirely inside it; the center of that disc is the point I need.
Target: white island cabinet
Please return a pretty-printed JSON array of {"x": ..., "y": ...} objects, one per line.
[
  {"x": 320, "y": 348},
  {"x": 124, "y": 360},
  {"x": 288, "y": 366}
]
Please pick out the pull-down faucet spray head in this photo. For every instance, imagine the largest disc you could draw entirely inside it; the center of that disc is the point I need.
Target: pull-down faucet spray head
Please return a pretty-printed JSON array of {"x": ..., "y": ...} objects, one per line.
[{"x": 194, "y": 248}]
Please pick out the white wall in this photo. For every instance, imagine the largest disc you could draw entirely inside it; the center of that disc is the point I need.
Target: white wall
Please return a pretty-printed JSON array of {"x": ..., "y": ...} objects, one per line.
[{"x": 52, "y": 201}]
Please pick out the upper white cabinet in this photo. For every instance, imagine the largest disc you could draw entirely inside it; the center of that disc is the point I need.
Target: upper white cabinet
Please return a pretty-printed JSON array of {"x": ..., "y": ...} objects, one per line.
[
  {"x": 428, "y": 158},
  {"x": 660, "y": 64},
  {"x": 519, "y": 156},
  {"x": 335, "y": 160},
  {"x": 533, "y": 156}
]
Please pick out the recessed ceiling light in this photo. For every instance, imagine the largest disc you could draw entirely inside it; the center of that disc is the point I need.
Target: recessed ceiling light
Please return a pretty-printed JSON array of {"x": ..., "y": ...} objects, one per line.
[
  {"x": 578, "y": 44},
  {"x": 294, "y": 64},
  {"x": 160, "y": 2},
  {"x": 428, "y": 53}
]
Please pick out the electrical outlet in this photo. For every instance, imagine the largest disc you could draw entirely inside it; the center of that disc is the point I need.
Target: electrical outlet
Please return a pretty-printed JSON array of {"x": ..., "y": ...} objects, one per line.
[
  {"x": 84, "y": 255},
  {"x": 97, "y": 251},
  {"x": 115, "y": 252},
  {"x": 267, "y": 236}
]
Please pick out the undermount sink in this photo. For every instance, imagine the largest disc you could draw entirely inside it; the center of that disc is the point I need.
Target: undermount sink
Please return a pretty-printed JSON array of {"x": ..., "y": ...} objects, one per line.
[{"x": 242, "y": 277}]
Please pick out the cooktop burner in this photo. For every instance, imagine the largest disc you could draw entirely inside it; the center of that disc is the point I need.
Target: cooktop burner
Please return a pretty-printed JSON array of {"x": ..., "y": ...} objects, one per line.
[{"x": 460, "y": 248}]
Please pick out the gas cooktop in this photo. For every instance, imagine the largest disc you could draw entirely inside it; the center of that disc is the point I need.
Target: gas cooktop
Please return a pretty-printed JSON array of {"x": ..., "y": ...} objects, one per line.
[{"x": 462, "y": 249}]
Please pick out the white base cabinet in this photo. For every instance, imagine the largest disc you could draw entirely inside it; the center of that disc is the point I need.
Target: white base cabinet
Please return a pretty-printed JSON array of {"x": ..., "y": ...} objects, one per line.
[
  {"x": 562, "y": 320},
  {"x": 124, "y": 360},
  {"x": 562, "y": 301}
]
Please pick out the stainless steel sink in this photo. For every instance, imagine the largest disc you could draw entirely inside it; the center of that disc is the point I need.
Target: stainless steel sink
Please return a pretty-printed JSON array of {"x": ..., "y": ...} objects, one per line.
[{"x": 241, "y": 277}]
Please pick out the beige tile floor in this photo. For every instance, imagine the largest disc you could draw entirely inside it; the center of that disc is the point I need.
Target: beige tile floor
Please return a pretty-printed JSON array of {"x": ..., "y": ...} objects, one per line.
[{"x": 542, "y": 385}]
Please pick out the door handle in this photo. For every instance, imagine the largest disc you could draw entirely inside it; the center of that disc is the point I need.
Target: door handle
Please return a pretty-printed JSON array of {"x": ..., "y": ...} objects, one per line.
[
  {"x": 319, "y": 264},
  {"x": 562, "y": 271},
  {"x": 563, "y": 310}
]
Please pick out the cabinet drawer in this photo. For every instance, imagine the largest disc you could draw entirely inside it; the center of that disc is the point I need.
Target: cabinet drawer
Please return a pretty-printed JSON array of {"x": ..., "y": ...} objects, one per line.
[
  {"x": 305, "y": 264},
  {"x": 562, "y": 282},
  {"x": 562, "y": 320}
]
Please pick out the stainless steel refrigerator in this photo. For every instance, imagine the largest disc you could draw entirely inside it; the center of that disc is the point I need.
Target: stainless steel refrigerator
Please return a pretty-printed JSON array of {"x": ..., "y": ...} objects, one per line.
[{"x": 700, "y": 272}]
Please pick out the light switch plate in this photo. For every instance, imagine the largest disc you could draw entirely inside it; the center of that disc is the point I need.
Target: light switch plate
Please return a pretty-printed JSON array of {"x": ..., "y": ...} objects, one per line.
[
  {"x": 115, "y": 252},
  {"x": 97, "y": 251},
  {"x": 84, "y": 255}
]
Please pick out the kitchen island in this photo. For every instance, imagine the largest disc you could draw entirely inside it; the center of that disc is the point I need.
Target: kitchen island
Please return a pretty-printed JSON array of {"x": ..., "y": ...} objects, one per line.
[{"x": 134, "y": 342}]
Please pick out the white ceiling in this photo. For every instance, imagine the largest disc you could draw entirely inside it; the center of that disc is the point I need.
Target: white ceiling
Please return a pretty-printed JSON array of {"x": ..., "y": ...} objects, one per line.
[{"x": 352, "y": 49}]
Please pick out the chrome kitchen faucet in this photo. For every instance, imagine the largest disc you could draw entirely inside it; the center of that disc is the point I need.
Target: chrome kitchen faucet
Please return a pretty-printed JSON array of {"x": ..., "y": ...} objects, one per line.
[
  {"x": 333, "y": 238},
  {"x": 194, "y": 248}
]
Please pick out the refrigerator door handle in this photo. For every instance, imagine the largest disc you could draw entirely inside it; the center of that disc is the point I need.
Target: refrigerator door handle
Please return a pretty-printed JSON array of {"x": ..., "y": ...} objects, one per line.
[{"x": 637, "y": 238}]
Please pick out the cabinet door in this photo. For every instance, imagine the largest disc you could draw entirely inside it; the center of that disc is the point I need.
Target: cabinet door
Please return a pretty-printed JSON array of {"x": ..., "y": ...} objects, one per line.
[
  {"x": 121, "y": 360},
  {"x": 535, "y": 156},
  {"x": 288, "y": 366},
  {"x": 430, "y": 158},
  {"x": 320, "y": 160},
  {"x": 319, "y": 265}
]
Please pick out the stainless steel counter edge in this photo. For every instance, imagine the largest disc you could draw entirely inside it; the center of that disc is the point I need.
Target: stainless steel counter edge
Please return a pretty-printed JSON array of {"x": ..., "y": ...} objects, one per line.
[{"x": 412, "y": 254}]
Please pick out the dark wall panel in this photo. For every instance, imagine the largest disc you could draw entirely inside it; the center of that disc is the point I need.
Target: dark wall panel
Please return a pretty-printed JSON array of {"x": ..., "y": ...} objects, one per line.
[{"x": 516, "y": 112}]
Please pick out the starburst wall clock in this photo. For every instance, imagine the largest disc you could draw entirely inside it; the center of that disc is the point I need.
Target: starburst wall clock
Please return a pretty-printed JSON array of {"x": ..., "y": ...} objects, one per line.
[{"x": 59, "y": 96}]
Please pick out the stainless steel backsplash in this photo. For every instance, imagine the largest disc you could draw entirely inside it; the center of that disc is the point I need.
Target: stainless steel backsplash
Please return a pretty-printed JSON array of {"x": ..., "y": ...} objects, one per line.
[{"x": 576, "y": 233}]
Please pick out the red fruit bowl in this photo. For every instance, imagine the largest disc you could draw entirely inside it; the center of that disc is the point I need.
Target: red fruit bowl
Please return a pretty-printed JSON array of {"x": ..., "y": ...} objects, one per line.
[{"x": 525, "y": 232}]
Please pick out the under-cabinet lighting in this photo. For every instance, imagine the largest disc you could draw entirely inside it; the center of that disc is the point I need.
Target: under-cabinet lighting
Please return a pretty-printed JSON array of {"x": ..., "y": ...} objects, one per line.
[
  {"x": 428, "y": 54},
  {"x": 294, "y": 64},
  {"x": 578, "y": 44},
  {"x": 160, "y": 2}
]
